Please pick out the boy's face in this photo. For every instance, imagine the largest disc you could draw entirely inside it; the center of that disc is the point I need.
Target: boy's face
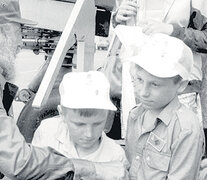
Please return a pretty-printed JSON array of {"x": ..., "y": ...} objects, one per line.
[
  {"x": 153, "y": 92},
  {"x": 85, "y": 132}
]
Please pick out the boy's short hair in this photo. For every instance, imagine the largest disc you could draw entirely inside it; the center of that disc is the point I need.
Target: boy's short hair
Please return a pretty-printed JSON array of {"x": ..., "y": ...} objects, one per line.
[
  {"x": 159, "y": 54},
  {"x": 177, "y": 79},
  {"x": 84, "y": 112},
  {"x": 85, "y": 90}
]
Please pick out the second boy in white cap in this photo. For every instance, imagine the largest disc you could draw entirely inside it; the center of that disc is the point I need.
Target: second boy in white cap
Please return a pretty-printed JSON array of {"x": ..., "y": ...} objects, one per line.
[
  {"x": 164, "y": 139},
  {"x": 78, "y": 131}
]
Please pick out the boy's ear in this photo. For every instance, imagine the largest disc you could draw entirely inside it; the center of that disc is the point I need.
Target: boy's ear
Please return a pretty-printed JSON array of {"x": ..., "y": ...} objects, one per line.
[
  {"x": 59, "y": 108},
  {"x": 183, "y": 85}
]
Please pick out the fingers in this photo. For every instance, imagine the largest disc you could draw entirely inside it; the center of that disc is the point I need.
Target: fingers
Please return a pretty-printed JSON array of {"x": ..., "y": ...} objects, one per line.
[
  {"x": 129, "y": 7},
  {"x": 149, "y": 29},
  {"x": 123, "y": 17},
  {"x": 126, "y": 13},
  {"x": 126, "y": 10},
  {"x": 132, "y": 3}
]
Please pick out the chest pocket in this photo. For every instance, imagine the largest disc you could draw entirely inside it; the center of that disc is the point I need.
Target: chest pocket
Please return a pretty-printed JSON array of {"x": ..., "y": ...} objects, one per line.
[{"x": 156, "y": 160}]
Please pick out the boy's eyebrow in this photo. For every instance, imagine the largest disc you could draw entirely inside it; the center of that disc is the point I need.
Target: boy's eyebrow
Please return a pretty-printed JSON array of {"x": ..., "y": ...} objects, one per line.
[
  {"x": 135, "y": 76},
  {"x": 157, "y": 81}
]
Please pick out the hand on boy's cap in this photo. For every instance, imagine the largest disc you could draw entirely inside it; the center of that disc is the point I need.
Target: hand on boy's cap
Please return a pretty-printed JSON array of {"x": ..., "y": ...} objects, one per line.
[
  {"x": 129, "y": 40},
  {"x": 159, "y": 54}
]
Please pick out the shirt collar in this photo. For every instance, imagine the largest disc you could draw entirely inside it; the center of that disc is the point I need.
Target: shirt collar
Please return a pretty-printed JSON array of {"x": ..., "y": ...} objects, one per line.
[
  {"x": 169, "y": 111},
  {"x": 62, "y": 134},
  {"x": 166, "y": 114},
  {"x": 136, "y": 111}
]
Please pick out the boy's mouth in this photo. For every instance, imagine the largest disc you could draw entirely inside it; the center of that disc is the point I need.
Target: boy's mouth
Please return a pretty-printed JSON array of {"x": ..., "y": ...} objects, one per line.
[
  {"x": 144, "y": 101},
  {"x": 87, "y": 141}
]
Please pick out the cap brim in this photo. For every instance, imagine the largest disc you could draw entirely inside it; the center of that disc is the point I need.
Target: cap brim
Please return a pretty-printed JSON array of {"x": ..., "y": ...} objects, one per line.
[
  {"x": 92, "y": 105},
  {"x": 23, "y": 21},
  {"x": 155, "y": 68}
]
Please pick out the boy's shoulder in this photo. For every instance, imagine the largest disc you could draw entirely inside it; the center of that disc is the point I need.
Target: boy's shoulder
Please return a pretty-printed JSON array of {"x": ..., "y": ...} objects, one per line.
[
  {"x": 50, "y": 125},
  {"x": 112, "y": 150},
  {"x": 187, "y": 119},
  {"x": 111, "y": 145},
  {"x": 110, "y": 142},
  {"x": 51, "y": 122},
  {"x": 136, "y": 111}
]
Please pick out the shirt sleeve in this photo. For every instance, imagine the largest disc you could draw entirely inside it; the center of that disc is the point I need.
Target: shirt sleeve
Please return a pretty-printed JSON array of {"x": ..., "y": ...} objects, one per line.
[
  {"x": 113, "y": 16},
  {"x": 20, "y": 160},
  {"x": 186, "y": 156},
  {"x": 36, "y": 140},
  {"x": 45, "y": 134},
  {"x": 195, "y": 35}
]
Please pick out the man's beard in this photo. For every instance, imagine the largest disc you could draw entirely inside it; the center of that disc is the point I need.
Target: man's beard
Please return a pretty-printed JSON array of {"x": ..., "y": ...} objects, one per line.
[
  {"x": 8, "y": 67},
  {"x": 10, "y": 40}
]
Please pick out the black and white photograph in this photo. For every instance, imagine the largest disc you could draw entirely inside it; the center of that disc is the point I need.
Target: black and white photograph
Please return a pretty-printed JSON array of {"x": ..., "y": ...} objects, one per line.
[{"x": 103, "y": 89}]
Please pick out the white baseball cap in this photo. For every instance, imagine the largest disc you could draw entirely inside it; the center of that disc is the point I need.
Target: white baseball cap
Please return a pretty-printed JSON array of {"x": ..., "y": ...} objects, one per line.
[
  {"x": 80, "y": 90},
  {"x": 160, "y": 55}
]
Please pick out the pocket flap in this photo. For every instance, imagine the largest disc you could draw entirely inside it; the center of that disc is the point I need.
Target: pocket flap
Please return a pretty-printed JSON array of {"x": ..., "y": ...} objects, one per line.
[{"x": 157, "y": 160}]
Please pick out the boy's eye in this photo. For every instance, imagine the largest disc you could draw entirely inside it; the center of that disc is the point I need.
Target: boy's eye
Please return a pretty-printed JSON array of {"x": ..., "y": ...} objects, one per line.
[
  {"x": 97, "y": 124},
  {"x": 139, "y": 79},
  {"x": 79, "y": 124},
  {"x": 136, "y": 81},
  {"x": 155, "y": 84}
]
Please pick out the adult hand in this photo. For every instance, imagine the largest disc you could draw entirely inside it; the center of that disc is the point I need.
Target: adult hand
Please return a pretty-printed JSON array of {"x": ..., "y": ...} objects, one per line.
[
  {"x": 151, "y": 27},
  {"x": 111, "y": 170},
  {"x": 83, "y": 169},
  {"x": 126, "y": 11}
]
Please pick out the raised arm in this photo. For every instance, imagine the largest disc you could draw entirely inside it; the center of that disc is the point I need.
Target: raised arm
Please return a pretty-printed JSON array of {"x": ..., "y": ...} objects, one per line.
[
  {"x": 20, "y": 160},
  {"x": 195, "y": 35}
]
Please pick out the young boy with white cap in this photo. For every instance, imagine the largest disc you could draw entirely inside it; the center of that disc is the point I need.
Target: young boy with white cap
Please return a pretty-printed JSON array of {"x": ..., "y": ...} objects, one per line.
[
  {"x": 164, "y": 139},
  {"x": 78, "y": 131}
]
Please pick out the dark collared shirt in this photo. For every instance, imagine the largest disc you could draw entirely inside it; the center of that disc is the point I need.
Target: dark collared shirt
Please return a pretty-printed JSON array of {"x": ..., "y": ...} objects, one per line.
[{"x": 171, "y": 149}]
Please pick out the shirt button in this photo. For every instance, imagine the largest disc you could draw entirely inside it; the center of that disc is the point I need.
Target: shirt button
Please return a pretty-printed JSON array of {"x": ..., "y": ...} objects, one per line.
[
  {"x": 137, "y": 157},
  {"x": 148, "y": 158}
]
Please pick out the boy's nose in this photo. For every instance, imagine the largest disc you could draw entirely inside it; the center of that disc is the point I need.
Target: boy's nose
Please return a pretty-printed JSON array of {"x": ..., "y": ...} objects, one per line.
[
  {"x": 144, "y": 91},
  {"x": 88, "y": 132}
]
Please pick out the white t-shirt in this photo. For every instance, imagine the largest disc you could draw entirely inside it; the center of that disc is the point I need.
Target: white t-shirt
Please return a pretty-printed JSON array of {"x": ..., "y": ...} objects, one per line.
[{"x": 54, "y": 132}]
